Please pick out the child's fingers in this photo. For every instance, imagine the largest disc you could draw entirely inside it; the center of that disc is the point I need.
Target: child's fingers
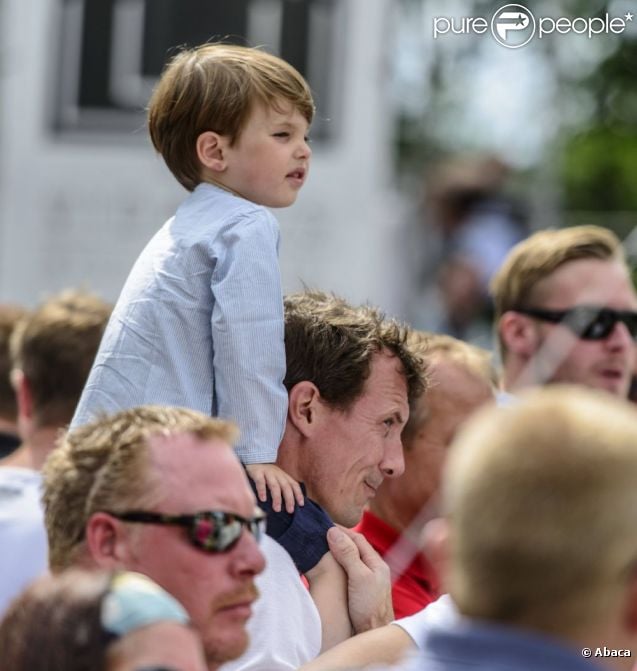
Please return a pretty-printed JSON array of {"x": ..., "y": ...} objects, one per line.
[
  {"x": 288, "y": 497},
  {"x": 275, "y": 492},
  {"x": 298, "y": 493},
  {"x": 259, "y": 482}
]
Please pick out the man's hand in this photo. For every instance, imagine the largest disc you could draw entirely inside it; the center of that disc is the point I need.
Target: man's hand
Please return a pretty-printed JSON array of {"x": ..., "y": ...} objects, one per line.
[{"x": 368, "y": 579}]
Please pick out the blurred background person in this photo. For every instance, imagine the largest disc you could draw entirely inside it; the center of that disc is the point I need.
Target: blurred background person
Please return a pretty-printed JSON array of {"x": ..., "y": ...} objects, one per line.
[
  {"x": 52, "y": 350},
  {"x": 566, "y": 311},
  {"x": 9, "y": 438},
  {"x": 467, "y": 224},
  {"x": 537, "y": 544},
  {"x": 91, "y": 621}
]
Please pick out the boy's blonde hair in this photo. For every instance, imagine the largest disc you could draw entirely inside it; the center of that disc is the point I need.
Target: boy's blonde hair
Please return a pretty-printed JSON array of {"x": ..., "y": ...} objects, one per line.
[
  {"x": 542, "y": 501},
  {"x": 541, "y": 254},
  {"x": 214, "y": 87},
  {"x": 105, "y": 465}
]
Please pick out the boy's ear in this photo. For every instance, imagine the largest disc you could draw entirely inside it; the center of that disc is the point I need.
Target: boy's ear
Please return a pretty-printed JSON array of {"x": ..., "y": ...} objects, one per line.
[
  {"x": 518, "y": 334},
  {"x": 304, "y": 407},
  {"x": 211, "y": 150}
]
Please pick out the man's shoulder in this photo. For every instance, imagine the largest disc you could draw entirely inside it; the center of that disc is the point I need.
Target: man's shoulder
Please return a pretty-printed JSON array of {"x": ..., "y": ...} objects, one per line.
[
  {"x": 440, "y": 612},
  {"x": 19, "y": 485},
  {"x": 20, "y": 499},
  {"x": 463, "y": 643}
]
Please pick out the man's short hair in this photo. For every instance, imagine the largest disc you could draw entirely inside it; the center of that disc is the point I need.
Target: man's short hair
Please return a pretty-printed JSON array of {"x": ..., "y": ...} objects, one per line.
[
  {"x": 542, "y": 501},
  {"x": 331, "y": 344},
  {"x": 431, "y": 347},
  {"x": 541, "y": 254},
  {"x": 10, "y": 316},
  {"x": 54, "y": 347},
  {"x": 104, "y": 465},
  {"x": 214, "y": 87}
]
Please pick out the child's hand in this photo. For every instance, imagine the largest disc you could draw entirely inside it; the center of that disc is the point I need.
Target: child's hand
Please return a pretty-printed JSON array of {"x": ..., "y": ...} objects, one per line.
[{"x": 280, "y": 484}]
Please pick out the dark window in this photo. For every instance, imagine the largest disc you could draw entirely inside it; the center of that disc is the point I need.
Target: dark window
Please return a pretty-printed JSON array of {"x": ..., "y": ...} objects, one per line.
[{"x": 112, "y": 51}]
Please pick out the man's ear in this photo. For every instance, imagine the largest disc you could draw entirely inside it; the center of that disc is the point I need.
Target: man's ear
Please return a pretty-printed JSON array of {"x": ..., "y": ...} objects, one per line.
[
  {"x": 107, "y": 541},
  {"x": 304, "y": 407},
  {"x": 211, "y": 151},
  {"x": 23, "y": 395},
  {"x": 518, "y": 334}
]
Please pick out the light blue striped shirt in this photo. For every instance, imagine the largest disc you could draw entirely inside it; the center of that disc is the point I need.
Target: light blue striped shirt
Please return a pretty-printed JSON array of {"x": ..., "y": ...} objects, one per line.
[{"x": 199, "y": 323}]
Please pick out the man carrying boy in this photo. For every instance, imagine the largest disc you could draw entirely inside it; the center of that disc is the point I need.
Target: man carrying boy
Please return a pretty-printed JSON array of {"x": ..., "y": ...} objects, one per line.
[{"x": 199, "y": 322}]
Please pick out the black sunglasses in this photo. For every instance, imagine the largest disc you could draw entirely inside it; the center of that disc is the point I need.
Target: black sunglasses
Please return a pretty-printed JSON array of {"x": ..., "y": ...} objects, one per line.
[
  {"x": 587, "y": 322},
  {"x": 211, "y": 530}
]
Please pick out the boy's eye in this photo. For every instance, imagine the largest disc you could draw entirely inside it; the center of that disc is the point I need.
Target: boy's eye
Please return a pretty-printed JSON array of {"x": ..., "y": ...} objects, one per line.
[{"x": 282, "y": 134}]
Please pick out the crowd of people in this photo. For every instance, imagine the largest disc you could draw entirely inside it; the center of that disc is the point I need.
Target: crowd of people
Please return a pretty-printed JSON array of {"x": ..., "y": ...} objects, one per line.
[{"x": 210, "y": 475}]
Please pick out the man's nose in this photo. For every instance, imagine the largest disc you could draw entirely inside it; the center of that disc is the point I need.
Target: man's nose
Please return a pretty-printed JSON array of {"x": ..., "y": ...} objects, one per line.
[
  {"x": 393, "y": 464},
  {"x": 247, "y": 555},
  {"x": 619, "y": 338}
]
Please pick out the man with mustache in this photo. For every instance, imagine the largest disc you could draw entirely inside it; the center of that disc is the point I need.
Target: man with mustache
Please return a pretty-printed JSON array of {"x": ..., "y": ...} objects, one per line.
[{"x": 160, "y": 491}]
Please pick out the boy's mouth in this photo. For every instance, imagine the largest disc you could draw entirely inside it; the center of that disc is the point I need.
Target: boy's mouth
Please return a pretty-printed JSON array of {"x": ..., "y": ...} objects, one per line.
[{"x": 297, "y": 176}]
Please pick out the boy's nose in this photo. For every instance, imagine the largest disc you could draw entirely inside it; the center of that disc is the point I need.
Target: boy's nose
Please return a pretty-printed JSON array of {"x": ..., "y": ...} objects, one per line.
[{"x": 304, "y": 150}]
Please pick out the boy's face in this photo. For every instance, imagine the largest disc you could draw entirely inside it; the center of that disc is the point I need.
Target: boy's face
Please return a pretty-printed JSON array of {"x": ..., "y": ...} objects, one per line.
[{"x": 269, "y": 162}]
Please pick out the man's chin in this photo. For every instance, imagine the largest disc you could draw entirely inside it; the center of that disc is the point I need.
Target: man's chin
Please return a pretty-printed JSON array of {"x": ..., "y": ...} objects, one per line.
[
  {"x": 614, "y": 385},
  {"x": 349, "y": 517},
  {"x": 221, "y": 650}
]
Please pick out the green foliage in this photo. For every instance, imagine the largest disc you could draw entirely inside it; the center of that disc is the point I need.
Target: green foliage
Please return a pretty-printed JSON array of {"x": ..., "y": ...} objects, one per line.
[{"x": 600, "y": 170}]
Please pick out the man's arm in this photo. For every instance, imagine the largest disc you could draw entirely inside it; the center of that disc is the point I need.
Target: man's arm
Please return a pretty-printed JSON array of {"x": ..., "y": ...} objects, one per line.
[{"x": 385, "y": 645}]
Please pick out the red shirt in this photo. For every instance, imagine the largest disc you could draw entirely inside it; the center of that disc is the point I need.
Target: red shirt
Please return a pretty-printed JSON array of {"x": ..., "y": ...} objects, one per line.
[{"x": 417, "y": 586}]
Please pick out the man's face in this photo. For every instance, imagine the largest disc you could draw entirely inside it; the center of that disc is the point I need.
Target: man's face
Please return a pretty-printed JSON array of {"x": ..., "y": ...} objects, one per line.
[
  {"x": 453, "y": 395},
  {"x": 563, "y": 357},
  {"x": 353, "y": 451},
  {"x": 218, "y": 589}
]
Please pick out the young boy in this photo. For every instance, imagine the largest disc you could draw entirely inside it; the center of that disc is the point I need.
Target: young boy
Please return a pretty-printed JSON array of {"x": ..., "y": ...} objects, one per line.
[{"x": 199, "y": 322}]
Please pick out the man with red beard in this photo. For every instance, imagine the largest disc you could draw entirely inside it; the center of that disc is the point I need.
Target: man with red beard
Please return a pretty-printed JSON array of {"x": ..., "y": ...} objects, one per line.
[{"x": 160, "y": 491}]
